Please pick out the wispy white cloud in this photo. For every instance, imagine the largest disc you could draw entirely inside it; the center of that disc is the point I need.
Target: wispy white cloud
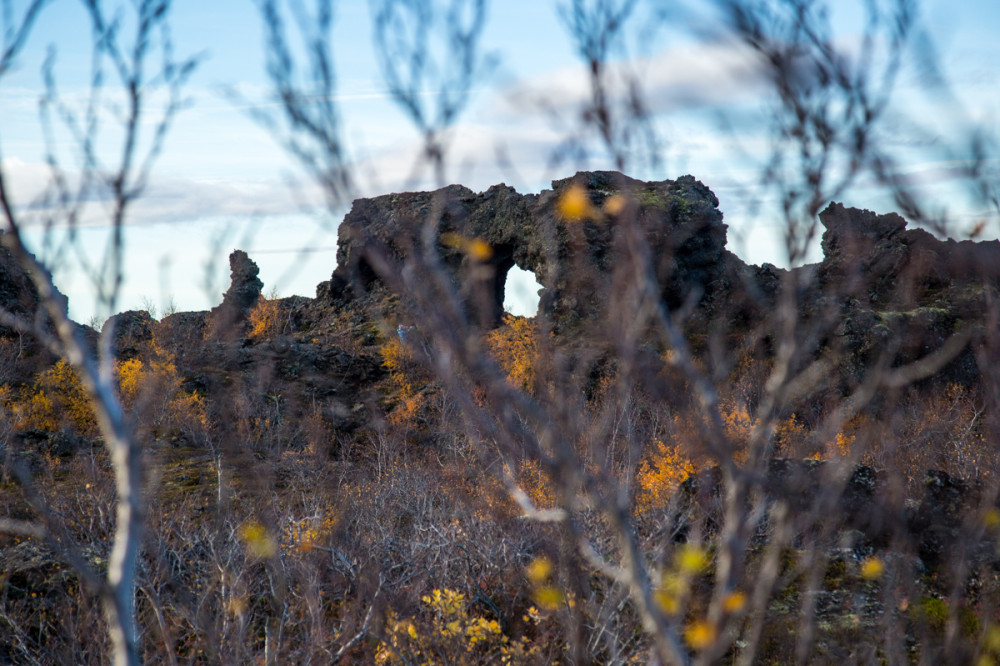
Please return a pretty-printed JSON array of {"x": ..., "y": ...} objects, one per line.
[
  {"x": 166, "y": 198},
  {"x": 176, "y": 199},
  {"x": 680, "y": 78},
  {"x": 506, "y": 137},
  {"x": 512, "y": 133}
]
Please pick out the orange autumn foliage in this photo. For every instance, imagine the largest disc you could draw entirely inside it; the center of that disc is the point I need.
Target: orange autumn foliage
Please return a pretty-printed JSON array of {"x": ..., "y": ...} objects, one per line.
[
  {"x": 659, "y": 475},
  {"x": 265, "y": 319},
  {"x": 537, "y": 484},
  {"x": 737, "y": 421},
  {"x": 152, "y": 390},
  {"x": 514, "y": 346},
  {"x": 406, "y": 378},
  {"x": 57, "y": 400},
  {"x": 790, "y": 436}
]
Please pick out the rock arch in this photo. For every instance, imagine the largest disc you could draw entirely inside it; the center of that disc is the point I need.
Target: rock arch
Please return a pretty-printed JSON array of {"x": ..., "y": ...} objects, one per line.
[{"x": 573, "y": 261}]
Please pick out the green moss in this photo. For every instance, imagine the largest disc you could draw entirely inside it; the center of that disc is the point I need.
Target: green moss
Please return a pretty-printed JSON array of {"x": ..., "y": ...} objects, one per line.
[
  {"x": 968, "y": 622},
  {"x": 836, "y": 574},
  {"x": 933, "y": 612},
  {"x": 653, "y": 198},
  {"x": 789, "y": 560},
  {"x": 889, "y": 317}
]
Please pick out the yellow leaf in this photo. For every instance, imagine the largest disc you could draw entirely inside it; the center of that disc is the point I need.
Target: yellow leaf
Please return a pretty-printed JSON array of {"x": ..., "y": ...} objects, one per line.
[
  {"x": 574, "y": 204},
  {"x": 258, "y": 542},
  {"x": 872, "y": 568},
  {"x": 700, "y": 634},
  {"x": 452, "y": 240},
  {"x": 548, "y": 597},
  {"x": 476, "y": 248},
  {"x": 672, "y": 590},
  {"x": 992, "y": 639},
  {"x": 991, "y": 520},
  {"x": 479, "y": 249},
  {"x": 734, "y": 602},
  {"x": 667, "y": 601},
  {"x": 615, "y": 204},
  {"x": 691, "y": 559},
  {"x": 539, "y": 570}
]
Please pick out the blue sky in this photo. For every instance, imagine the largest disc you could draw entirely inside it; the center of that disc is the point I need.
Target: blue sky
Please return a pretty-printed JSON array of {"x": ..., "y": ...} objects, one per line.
[{"x": 222, "y": 182}]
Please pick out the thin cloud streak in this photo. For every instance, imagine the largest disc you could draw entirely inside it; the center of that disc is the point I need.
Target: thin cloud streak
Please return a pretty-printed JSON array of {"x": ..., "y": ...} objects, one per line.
[{"x": 682, "y": 78}]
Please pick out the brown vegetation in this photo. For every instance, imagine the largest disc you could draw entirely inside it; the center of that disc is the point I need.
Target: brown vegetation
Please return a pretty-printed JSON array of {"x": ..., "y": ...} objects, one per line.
[
  {"x": 681, "y": 459},
  {"x": 284, "y": 521}
]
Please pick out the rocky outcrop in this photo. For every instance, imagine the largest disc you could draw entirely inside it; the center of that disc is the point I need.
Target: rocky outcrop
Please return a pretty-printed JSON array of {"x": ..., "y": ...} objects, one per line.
[
  {"x": 876, "y": 259},
  {"x": 21, "y": 355},
  {"x": 227, "y": 318},
  {"x": 870, "y": 260},
  {"x": 862, "y": 251},
  {"x": 887, "y": 283},
  {"x": 18, "y": 295},
  {"x": 574, "y": 260},
  {"x": 244, "y": 286},
  {"x": 132, "y": 331}
]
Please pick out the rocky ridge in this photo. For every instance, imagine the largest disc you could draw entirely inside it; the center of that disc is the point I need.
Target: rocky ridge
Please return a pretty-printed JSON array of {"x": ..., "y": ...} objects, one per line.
[
  {"x": 321, "y": 364},
  {"x": 881, "y": 280},
  {"x": 574, "y": 262}
]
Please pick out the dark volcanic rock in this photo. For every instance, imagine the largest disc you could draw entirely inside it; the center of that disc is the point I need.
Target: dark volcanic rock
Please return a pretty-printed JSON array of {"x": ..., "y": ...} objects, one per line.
[
  {"x": 17, "y": 291},
  {"x": 244, "y": 291},
  {"x": 61, "y": 444},
  {"x": 876, "y": 259},
  {"x": 182, "y": 333},
  {"x": 813, "y": 492},
  {"x": 573, "y": 260},
  {"x": 244, "y": 287},
  {"x": 903, "y": 292},
  {"x": 133, "y": 330},
  {"x": 946, "y": 523},
  {"x": 21, "y": 356}
]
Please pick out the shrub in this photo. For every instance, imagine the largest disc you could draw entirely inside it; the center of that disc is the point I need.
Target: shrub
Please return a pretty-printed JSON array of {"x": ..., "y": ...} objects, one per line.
[
  {"x": 514, "y": 346},
  {"x": 406, "y": 379},
  {"x": 663, "y": 469},
  {"x": 447, "y": 633},
  {"x": 152, "y": 390},
  {"x": 58, "y": 400},
  {"x": 537, "y": 484},
  {"x": 266, "y": 319}
]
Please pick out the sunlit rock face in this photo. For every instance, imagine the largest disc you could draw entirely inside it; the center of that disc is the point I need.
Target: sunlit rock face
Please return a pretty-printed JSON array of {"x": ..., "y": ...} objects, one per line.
[{"x": 675, "y": 226}]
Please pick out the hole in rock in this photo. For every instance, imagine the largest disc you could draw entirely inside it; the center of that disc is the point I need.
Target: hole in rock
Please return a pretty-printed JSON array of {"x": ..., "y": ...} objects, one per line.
[{"x": 521, "y": 293}]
